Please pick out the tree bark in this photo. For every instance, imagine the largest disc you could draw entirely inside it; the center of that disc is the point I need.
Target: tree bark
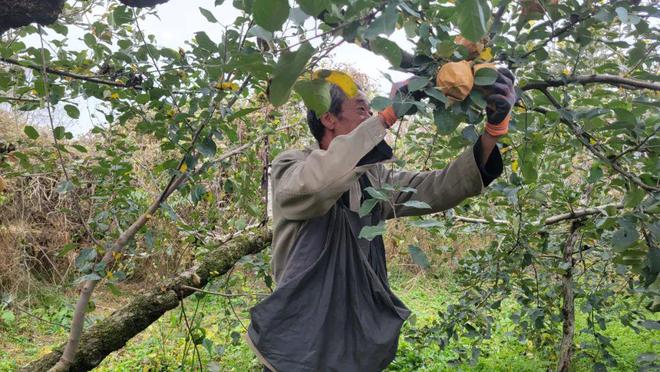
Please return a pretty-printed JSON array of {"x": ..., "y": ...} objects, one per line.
[
  {"x": 568, "y": 306},
  {"x": 143, "y": 3},
  {"x": 112, "y": 333},
  {"x": 17, "y": 13}
]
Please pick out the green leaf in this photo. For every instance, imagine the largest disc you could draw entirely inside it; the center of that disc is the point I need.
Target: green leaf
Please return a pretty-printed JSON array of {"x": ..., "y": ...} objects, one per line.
[
  {"x": 287, "y": 70},
  {"x": 445, "y": 120},
  {"x": 205, "y": 42},
  {"x": 624, "y": 238},
  {"x": 383, "y": 24},
  {"x": 197, "y": 193},
  {"x": 207, "y": 147},
  {"x": 31, "y": 132},
  {"x": 59, "y": 132},
  {"x": 485, "y": 76},
  {"x": 419, "y": 257},
  {"x": 633, "y": 197},
  {"x": 472, "y": 18},
  {"x": 370, "y": 232},
  {"x": 89, "y": 40},
  {"x": 437, "y": 94},
  {"x": 653, "y": 325},
  {"x": 64, "y": 187},
  {"x": 72, "y": 111},
  {"x": 122, "y": 15},
  {"x": 91, "y": 276},
  {"x": 367, "y": 206},
  {"x": 313, "y": 7},
  {"x": 376, "y": 194},
  {"x": 416, "y": 204},
  {"x": 315, "y": 94},
  {"x": 271, "y": 14},
  {"x": 66, "y": 249},
  {"x": 208, "y": 15},
  {"x": 417, "y": 83},
  {"x": 113, "y": 289},
  {"x": 387, "y": 49},
  {"x": 425, "y": 224},
  {"x": 380, "y": 103}
]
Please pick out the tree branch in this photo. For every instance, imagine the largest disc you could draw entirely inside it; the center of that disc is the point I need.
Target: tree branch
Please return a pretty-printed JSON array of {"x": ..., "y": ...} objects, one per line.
[
  {"x": 497, "y": 19},
  {"x": 582, "y": 136},
  {"x": 558, "y": 32},
  {"x": 92, "y": 79},
  {"x": 592, "y": 79},
  {"x": 112, "y": 333},
  {"x": 578, "y": 213}
]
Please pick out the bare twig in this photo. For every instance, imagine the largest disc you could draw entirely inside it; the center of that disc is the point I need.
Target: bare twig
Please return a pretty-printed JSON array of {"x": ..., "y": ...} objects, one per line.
[{"x": 593, "y": 79}]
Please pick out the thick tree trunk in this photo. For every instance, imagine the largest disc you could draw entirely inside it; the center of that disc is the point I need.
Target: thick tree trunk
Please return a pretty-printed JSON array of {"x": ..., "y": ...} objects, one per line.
[
  {"x": 17, "y": 13},
  {"x": 143, "y": 3},
  {"x": 112, "y": 333},
  {"x": 568, "y": 306}
]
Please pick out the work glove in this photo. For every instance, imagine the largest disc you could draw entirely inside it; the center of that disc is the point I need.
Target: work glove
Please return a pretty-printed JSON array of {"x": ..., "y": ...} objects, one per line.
[
  {"x": 399, "y": 90},
  {"x": 500, "y": 98}
]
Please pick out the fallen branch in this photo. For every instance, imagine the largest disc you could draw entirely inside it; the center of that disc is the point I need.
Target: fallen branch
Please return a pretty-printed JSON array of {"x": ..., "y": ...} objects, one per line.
[
  {"x": 112, "y": 333},
  {"x": 593, "y": 79}
]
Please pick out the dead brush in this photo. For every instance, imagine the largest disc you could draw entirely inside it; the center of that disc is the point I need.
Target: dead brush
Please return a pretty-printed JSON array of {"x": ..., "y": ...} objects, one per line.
[
  {"x": 442, "y": 252},
  {"x": 35, "y": 223}
]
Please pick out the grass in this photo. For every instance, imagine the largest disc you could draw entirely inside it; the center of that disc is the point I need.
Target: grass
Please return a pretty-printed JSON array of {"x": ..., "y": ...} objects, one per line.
[{"x": 164, "y": 346}]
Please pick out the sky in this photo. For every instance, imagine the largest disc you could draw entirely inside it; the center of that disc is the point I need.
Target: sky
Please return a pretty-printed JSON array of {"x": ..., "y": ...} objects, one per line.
[{"x": 177, "y": 22}]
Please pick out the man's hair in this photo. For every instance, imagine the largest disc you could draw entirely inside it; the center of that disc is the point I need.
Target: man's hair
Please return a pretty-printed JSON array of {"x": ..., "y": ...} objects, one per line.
[{"x": 337, "y": 98}]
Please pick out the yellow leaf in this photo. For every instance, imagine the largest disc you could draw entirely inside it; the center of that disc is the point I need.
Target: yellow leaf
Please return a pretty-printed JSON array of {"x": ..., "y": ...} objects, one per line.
[
  {"x": 183, "y": 168},
  {"x": 486, "y": 55},
  {"x": 227, "y": 85},
  {"x": 340, "y": 79},
  {"x": 109, "y": 275},
  {"x": 114, "y": 96},
  {"x": 514, "y": 166},
  {"x": 592, "y": 141},
  {"x": 116, "y": 255}
]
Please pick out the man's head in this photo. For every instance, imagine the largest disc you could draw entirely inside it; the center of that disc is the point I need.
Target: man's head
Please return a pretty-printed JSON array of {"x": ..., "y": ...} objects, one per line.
[{"x": 344, "y": 115}]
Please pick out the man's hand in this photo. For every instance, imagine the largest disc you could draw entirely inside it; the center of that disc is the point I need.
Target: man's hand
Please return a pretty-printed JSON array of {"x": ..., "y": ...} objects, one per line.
[{"x": 500, "y": 97}]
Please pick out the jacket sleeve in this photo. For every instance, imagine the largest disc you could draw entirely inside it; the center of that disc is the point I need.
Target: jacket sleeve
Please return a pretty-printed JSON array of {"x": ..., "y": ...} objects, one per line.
[
  {"x": 441, "y": 189},
  {"x": 307, "y": 186}
]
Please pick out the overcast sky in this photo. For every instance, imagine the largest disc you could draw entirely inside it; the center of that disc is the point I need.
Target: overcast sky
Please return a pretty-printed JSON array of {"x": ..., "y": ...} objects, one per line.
[{"x": 177, "y": 22}]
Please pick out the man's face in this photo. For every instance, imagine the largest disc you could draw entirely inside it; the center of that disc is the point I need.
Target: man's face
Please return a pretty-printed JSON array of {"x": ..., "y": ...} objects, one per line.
[{"x": 353, "y": 112}]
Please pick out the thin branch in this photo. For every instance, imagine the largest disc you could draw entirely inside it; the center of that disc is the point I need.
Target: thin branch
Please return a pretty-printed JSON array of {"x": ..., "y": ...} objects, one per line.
[
  {"x": 583, "y": 137},
  {"x": 575, "y": 214},
  {"x": 558, "y": 32},
  {"x": 228, "y": 295},
  {"x": 92, "y": 79},
  {"x": 479, "y": 220},
  {"x": 593, "y": 79},
  {"x": 497, "y": 19},
  {"x": 638, "y": 146},
  {"x": 579, "y": 213}
]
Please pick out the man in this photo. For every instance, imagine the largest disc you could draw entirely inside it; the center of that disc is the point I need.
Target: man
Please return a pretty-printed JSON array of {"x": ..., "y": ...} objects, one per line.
[{"x": 333, "y": 309}]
